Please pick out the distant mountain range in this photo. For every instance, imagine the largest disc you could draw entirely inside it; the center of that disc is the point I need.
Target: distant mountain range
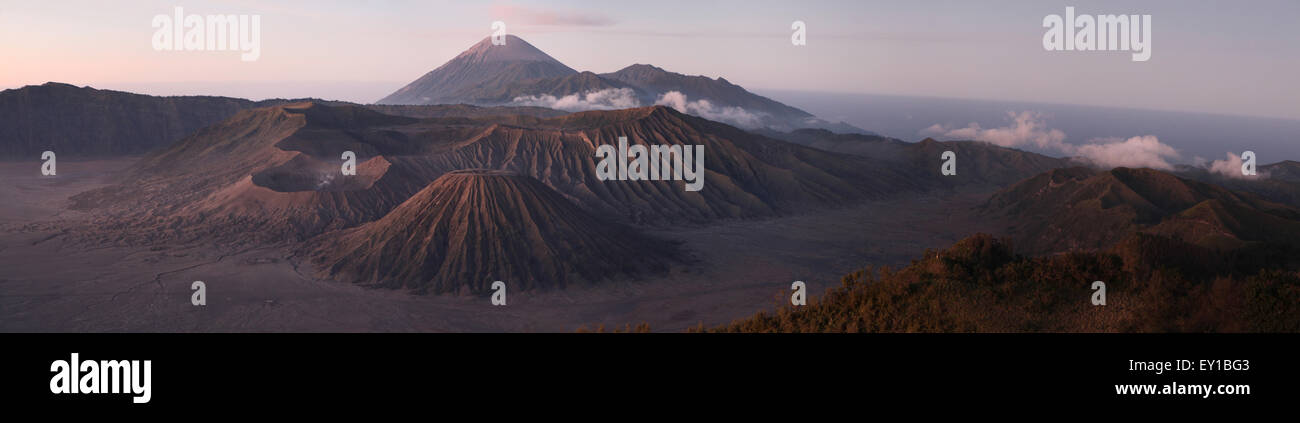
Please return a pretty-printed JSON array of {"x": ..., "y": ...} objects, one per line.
[
  {"x": 81, "y": 122},
  {"x": 1279, "y": 182},
  {"x": 979, "y": 163},
  {"x": 271, "y": 174},
  {"x": 1085, "y": 209},
  {"x": 85, "y": 122},
  {"x": 235, "y": 171},
  {"x": 518, "y": 73},
  {"x": 258, "y": 158}
]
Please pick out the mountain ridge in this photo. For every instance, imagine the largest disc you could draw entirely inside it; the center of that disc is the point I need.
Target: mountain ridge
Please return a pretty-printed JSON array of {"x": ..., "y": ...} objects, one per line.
[
  {"x": 1080, "y": 208},
  {"x": 471, "y": 227},
  {"x": 86, "y": 122},
  {"x": 272, "y": 171},
  {"x": 481, "y": 76}
]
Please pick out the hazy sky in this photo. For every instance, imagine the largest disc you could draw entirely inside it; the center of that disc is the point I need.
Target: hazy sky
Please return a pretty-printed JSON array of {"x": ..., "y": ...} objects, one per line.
[{"x": 1229, "y": 57}]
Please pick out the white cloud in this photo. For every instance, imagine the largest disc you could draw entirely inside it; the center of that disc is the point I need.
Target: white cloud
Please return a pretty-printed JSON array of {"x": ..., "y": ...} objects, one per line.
[
  {"x": 625, "y": 98},
  {"x": 1030, "y": 129},
  {"x": 1026, "y": 129},
  {"x": 1229, "y": 167},
  {"x": 705, "y": 109},
  {"x": 606, "y": 99},
  {"x": 1144, "y": 151}
]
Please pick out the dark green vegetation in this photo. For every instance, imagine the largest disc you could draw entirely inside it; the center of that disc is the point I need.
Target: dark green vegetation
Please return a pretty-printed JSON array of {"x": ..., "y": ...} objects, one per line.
[
  {"x": 1176, "y": 255},
  {"x": 1154, "y": 284}
]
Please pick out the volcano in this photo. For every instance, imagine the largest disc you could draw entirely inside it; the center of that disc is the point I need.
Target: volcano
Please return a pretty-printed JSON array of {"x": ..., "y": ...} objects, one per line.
[
  {"x": 482, "y": 67},
  {"x": 274, "y": 171},
  {"x": 270, "y": 172},
  {"x": 519, "y": 74},
  {"x": 471, "y": 227}
]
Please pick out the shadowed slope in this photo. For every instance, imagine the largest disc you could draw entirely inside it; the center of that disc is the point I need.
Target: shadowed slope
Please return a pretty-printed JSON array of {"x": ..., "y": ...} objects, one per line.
[
  {"x": 275, "y": 171},
  {"x": 1153, "y": 284},
  {"x": 978, "y": 163},
  {"x": 484, "y": 67},
  {"x": 1079, "y": 208},
  {"x": 718, "y": 91},
  {"x": 746, "y": 175},
  {"x": 257, "y": 173},
  {"x": 86, "y": 122},
  {"x": 472, "y": 227}
]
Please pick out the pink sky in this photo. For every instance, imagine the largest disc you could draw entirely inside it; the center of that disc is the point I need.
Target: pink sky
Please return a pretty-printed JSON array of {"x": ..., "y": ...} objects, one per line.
[{"x": 361, "y": 51}]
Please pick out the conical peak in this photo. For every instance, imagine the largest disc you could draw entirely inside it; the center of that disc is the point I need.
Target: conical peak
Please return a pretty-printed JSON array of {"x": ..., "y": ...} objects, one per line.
[{"x": 515, "y": 49}]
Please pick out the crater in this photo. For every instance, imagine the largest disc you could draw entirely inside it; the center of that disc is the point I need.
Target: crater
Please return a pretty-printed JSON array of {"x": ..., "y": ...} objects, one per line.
[{"x": 306, "y": 173}]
